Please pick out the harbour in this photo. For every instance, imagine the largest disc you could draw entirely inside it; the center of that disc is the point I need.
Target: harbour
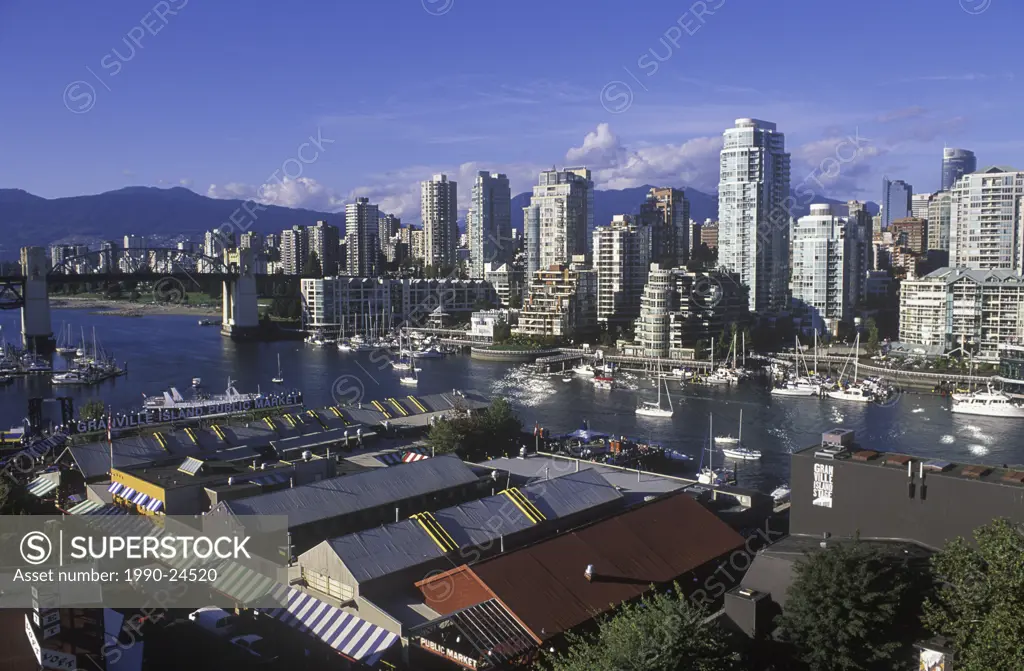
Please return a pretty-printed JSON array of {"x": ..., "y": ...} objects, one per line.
[{"x": 174, "y": 349}]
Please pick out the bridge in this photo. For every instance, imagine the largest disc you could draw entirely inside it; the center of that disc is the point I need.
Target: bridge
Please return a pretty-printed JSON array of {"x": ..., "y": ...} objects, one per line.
[{"x": 168, "y": 270}]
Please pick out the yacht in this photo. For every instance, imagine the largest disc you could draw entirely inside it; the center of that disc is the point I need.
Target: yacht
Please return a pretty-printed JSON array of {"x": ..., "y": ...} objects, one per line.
[
  {"x": 64, "y": 345},
  {"x": 741, "y": 453},
  {"x": 344, "y": 346},
  {"x": 653, "y": 408},
  {"x": 852, "y": 392},
  {"x": 280, "y": 376},
  {"x": 708, "y": 475},
  {"x": 731, "y": 440},
  {"x": 796, "y": 388},
  {"x": 604, "y": 383},
  {"x": 428, "y": 353},
  {"x": 71, "y": 377},
  {"x": 781, "y": 493},
  {"x": 988, "y": 403},
  {"x": 37, "y": 365},
  {"x": 6, "y": 379},
  {"x": 172, "y": 399},
  {"x": 584, "y": 370},
  {"x": 410, "y": 378}
]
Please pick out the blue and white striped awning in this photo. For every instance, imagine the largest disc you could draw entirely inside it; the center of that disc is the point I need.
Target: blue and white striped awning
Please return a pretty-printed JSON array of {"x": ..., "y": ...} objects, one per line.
[
  {"x": 115, "y": 488},
  {"x": 140, "y": 499},
  {"x": 395, "y": 458},
  {"x": 44, "y": 484},
  {"x": 127, "y": 493},
  {"x": 95, "y": 508},
  {"x": 155, "y": 505},
  {"x": 353, "y": 637}
]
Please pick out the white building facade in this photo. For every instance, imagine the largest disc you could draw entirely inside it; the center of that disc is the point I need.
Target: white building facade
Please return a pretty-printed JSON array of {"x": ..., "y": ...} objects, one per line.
[
  {"x": 980, "y": 308},
  {"x": 559, "y": 218},
  {"x": 489, "y": 222},
  {"x": 621, "y": 253},
  {"x": 752, "y": 211},
  {"x": 985, "y": 220}
]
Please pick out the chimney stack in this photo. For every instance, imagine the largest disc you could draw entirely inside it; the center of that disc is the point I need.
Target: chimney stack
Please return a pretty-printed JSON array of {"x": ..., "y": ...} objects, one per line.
[{"x": 589, "y": 573}]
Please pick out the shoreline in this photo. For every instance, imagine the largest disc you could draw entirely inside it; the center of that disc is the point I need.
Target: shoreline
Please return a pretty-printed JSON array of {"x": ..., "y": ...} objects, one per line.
[{"x": 112, "y": 308}]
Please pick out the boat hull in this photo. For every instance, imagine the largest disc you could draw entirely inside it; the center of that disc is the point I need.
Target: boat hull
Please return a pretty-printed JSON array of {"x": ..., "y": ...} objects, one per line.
[
  {"x": 781, "y": 391},
  {"x": 1012, "y": 412}
]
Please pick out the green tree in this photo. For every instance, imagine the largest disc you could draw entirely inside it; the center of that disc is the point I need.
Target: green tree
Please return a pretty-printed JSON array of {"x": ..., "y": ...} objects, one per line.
[
  {"x": 313, "y": 267},
  {"x": 980, "y": 607},
  {"x": 662, "y": 632},
  {"x": 872, "y": 344},
  {"x": 92, "y": 409},
  {"x": 496, "y": 429},
  {"x": 851, "y": 608},
  {"x": 502, "y": 332}
]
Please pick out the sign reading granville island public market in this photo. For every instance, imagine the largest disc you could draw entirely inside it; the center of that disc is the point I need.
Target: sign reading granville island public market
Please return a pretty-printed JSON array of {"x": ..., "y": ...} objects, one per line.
[
  {"x": 823, "y": 485},
  {"x": 151, "y": 416},
  {"x": 448, "y": 653}
]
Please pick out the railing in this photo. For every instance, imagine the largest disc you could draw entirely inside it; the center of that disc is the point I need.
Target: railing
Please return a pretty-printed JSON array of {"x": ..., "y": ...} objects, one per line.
[{"x": 912, "y": 374}]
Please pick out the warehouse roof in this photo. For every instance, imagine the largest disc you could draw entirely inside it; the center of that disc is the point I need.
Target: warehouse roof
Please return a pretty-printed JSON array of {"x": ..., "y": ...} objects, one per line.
[
  {"x": 544, "y": 584},
  {"x": 347, "y": 494},
  {"x": 388, "y": 549}
]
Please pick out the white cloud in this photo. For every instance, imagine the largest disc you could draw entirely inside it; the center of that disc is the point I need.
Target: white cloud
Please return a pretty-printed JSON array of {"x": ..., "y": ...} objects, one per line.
[
  {"x": 692, "y": 163},
  {"x": 302, "y": 192}
]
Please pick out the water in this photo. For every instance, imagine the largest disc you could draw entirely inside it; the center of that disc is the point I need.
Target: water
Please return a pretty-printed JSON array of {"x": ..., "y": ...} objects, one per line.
[{"x": 170, "y": 350}]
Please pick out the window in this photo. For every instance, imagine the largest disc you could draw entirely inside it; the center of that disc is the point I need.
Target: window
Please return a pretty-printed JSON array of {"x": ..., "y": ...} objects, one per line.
[{"x": 328, "y": 585}]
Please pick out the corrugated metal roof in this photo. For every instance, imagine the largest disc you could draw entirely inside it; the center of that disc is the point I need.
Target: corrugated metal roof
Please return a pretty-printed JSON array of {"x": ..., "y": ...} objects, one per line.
[
  {"x": 544, "y": 586},
  {"x": 360, "y": 491},
  {"x": 385, "y": 550},
  {"x": 572, "y": 493},
  {"x": 312, "y": 440}
]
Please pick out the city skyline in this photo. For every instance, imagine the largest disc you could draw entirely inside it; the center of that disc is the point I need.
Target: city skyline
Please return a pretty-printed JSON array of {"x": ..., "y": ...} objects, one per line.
[{"x": 670, "y": 134}]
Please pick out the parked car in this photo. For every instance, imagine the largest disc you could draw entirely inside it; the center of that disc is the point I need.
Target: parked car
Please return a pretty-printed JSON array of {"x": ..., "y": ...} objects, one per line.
[
  {"x": 256, "y": 646},
  {"x": 214, "y": 620}
]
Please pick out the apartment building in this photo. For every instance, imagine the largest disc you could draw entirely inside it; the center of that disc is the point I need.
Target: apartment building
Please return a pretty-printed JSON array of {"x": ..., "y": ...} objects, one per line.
[
  {"x": 621, "y": 253},
  {"x": 562, "y": 301}
]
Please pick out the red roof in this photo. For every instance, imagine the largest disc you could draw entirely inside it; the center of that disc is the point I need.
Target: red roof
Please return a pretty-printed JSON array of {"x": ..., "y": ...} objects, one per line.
[{"x": 544, "y": 587}]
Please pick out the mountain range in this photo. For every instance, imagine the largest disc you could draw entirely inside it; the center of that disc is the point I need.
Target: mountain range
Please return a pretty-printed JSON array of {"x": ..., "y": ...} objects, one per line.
[{"x": 178, "y": 213}]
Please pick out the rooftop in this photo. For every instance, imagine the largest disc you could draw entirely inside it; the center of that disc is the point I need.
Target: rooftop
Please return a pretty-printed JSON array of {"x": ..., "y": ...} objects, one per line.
[
  {"x": 544, "y": 584},
  {"x": 1008, "y": 476},
  {"x": 348, "y": 494},
  {"x": 633, "y": 485},
  {"x": 394, "y": 547}
]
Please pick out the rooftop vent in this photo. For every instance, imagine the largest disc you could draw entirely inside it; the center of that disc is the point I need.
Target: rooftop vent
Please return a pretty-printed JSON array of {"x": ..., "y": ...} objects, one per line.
[
  {"x": 1016, "y": 477},
  {"x": 900, "y": 460},
  {"x": 307, "y": 455},
  {"x": 837, "y": 436},
  {"x": 975, "y": 471},
  {"x": 830, "y": 452},
  {"x": 865, "y": 455}
]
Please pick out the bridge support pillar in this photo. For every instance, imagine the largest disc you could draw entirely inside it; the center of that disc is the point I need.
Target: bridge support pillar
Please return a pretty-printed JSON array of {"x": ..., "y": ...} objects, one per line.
[
  {"x": 239, "y": 306},
  {"x": 36, "y": 329}
]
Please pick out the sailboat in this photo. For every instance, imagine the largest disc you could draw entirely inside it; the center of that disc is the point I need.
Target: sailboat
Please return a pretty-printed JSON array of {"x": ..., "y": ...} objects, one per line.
[
  {"x": 404, "y": 361},
  {"x": 735, "y": 449},
  {"x": 81, "y": 351},
  {"x": 716, "y": 376},
  {"x": 280, "y": 376},
  {"x": 707, "y": 474},
  {"x": 64, "y": 345},
  {"x": 853, "y": 391},
  {"x": 654, "y": 409},
  {"x": 410, "y": 378}
]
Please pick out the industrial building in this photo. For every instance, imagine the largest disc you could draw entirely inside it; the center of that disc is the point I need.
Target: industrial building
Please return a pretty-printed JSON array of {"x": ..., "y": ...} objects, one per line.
[
  {"x": 359, "y": 501},
  {"x": 499, "y": 612}
]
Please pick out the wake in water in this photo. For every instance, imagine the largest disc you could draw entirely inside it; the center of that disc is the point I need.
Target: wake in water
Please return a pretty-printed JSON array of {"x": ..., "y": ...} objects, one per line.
[
  {"x": 917, "y": 410},
  {"x": 978, "y": 434},
  {"x": 523, "y": 388},
  {"x": 947, "y": 439},
  {"x": 978, "y": 450}
]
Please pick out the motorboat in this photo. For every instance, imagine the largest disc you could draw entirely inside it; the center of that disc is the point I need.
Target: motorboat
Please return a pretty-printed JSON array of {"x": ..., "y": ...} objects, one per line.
[
  {"x": 584, "y": 370},
  {"x": 428, "y": 353},
  {"x": 653, "y": 408},
  {"x": 781, "y": 493},
  {"x": 676, "y": 455},
  {"x": 6, "y": 379},
  {"x": 344, "y": 346},
  {"x": 71, "y": 377},
  {"x": 852, "y": 392},
  {"x": 567, "y": 378},
  {"x": 988, "y": 403},
  {"x": 604, "y": 383},
  {"x": 197, "y": 382}
]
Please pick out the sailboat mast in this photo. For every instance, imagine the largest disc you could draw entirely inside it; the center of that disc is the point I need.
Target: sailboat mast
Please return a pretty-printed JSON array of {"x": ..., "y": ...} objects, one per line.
[
  {"x": 734, "y": 350},
  {"x": 739, "y": 435},
  {"x": 744, "y": 339}
]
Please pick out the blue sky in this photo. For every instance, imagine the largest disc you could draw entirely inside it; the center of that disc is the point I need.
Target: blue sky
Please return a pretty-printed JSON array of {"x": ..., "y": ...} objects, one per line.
[{"x": 219, "y": 96}]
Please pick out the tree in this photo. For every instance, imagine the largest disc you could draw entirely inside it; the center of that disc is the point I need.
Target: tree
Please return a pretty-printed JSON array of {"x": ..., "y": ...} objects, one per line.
[
  {"x": 872, "y": 344},
  {"x": 502, "y": 331},
  {"x": 663, "y": 632},
  {"x": 13, "y": 497},
  {"x": 92, "y": 410},
  {"x": 313, "y": 267},
  {"x": 851, "y": 608},
  {"x": 494, "y": 430},
  {"x": 980, "y": 607}
]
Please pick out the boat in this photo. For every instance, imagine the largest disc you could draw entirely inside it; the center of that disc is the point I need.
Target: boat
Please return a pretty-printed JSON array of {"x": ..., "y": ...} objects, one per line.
[
  {"x": 71, "y": 377},
  {"x": 988, "y": 403},
  {"x": 428, "y": 353},
  {"x": 799, "y": 387},
  {"x": 604, "y": 382},
  {"x": 708, "y": 475},
  {"x": 37, "y": 365},
  {"x": 584, "y": 370},
  {"x": 676, "y": 455},
  {"x": 653, "y": 408},
  {"x": 64, "y": 345},
  {"x": 280, "y": 376},
  {"x": 567, "y": 378},
  {"x": 852, "y": 391},
  {"x": 731, "y": 440},
  {"x": 210, "y": 322},
  {"x": 173, "y": 400},
  {"x": 781, "y": 493},
  {"x": 6, "y": 379},
  {"x": 197, "y": 382}
]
